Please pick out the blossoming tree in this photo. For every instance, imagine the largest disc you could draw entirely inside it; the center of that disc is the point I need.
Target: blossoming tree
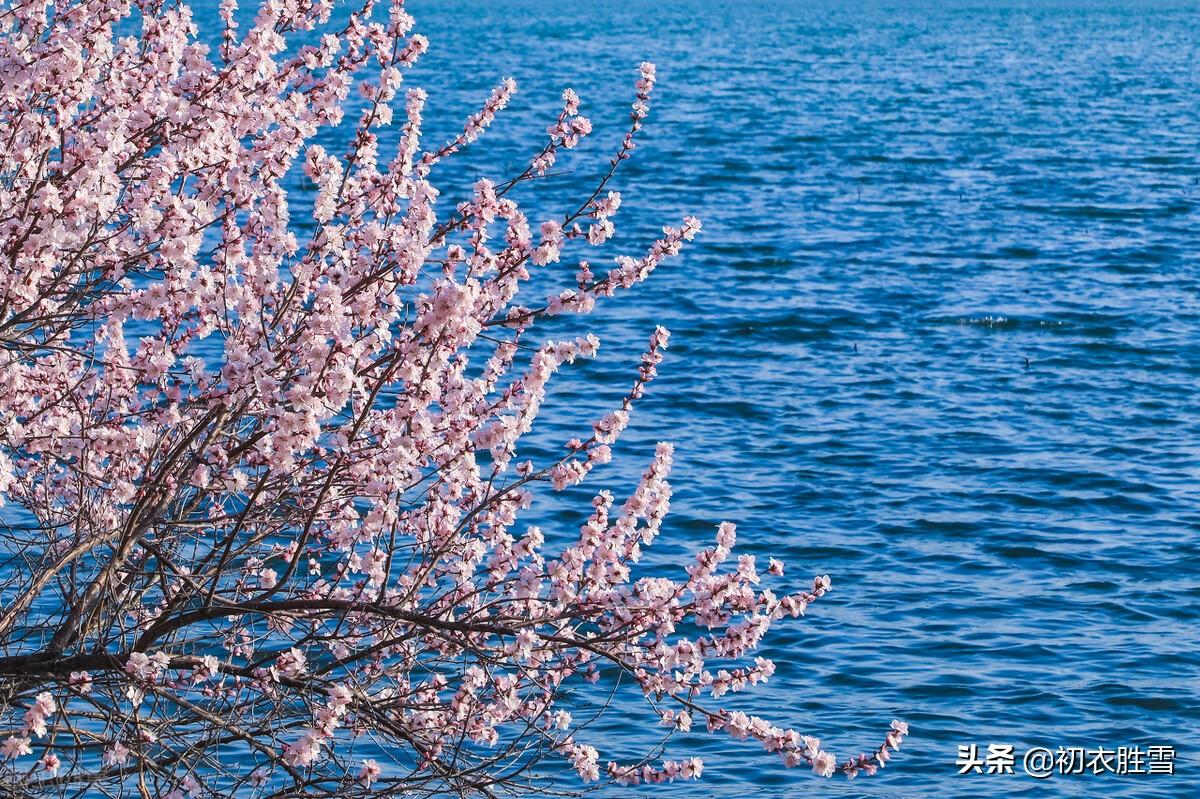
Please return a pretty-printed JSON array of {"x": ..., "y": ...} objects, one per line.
[{"x": 262, "y": 489}]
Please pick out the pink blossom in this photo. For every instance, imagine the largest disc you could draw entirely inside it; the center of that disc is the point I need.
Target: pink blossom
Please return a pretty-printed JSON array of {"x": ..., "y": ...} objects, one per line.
[
  {"x": 369, "y": 773},
  {"x": 37, "y": 715},
  {"x": 15, "y": 746},
  {"x": 82, "y": 681},
  {"x": 304, "y": 751},
  {"x": 116, "y": 754},
  {"x": 823, "y": 764},
  {"x": 146, "y": 667}
]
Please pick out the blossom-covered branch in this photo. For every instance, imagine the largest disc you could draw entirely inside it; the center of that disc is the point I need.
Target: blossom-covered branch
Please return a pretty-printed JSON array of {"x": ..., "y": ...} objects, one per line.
[{"x": 262, "y": 487}]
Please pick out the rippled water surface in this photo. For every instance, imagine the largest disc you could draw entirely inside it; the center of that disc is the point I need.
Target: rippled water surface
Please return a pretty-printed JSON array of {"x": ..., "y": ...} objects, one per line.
[{"x": 940, "y": 338}]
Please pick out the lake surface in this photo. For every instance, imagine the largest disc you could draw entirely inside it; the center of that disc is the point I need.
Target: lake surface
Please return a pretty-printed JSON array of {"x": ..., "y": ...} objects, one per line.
[{"x": 940, "y": 338}]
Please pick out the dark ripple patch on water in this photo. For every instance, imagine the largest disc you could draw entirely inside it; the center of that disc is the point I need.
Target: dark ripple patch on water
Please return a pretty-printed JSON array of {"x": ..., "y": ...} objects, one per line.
[{"x": 940, "y": 338}]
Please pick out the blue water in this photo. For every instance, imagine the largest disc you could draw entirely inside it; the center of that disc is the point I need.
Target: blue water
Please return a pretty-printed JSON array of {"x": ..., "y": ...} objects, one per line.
[{"x": 940, "y": 338}]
